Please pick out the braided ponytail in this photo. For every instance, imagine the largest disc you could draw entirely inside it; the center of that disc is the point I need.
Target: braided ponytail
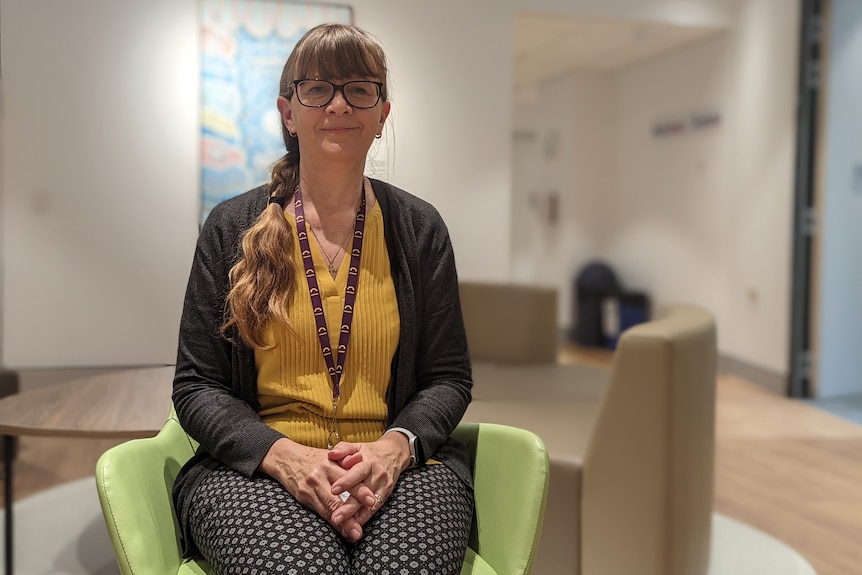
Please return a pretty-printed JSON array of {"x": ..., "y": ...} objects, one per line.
[{"x": 263, "y": 281}]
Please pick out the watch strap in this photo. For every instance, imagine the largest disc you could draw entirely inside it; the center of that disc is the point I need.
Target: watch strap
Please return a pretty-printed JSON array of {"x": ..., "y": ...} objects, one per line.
[{"x": 412, "y": 441}]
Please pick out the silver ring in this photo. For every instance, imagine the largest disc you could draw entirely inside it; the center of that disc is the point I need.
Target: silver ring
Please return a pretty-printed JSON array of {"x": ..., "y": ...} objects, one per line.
[
  {"x": 344, "y": 495},
  {"x": 378, "y": 498}
]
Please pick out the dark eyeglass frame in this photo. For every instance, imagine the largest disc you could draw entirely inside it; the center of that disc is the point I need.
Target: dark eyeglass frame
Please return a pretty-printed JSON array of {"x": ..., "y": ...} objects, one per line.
[{"x": 338, "y": 88}]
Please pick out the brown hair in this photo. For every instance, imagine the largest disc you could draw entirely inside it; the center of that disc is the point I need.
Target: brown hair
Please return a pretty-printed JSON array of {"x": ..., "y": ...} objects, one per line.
[{"x": 264, "y": 279}]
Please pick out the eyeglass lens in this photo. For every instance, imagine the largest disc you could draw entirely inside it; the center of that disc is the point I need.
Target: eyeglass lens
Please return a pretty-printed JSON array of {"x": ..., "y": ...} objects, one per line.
[{"x": 318, "y": 93}]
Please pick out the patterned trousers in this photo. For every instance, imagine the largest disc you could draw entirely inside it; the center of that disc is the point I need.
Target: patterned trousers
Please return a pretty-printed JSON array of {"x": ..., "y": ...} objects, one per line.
[{"x": 255, "y": 527}]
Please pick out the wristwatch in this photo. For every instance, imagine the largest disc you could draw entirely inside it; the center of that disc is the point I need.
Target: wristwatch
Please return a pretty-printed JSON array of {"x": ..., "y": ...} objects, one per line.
[{"x": 412, "y": 442}]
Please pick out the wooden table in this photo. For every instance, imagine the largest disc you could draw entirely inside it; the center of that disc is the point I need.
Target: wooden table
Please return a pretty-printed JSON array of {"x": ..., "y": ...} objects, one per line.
[{"x": 123, "y": 404}]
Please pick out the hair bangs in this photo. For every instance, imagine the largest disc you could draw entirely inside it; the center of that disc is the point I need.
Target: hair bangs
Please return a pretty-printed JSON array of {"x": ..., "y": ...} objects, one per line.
[{"x": 340, "y": 52}]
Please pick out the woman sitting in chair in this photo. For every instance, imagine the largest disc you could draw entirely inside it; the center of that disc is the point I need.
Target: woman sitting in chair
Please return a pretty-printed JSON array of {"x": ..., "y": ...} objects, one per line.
[{"x": 322, "y": 359}]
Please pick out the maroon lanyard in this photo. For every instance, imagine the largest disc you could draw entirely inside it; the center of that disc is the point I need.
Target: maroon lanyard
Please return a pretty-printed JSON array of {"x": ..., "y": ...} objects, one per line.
[{"x": 335, "y": 368}]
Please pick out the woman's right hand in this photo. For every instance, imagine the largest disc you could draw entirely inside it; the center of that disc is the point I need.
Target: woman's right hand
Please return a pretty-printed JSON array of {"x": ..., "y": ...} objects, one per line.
[{"x": 308, "y": 474}]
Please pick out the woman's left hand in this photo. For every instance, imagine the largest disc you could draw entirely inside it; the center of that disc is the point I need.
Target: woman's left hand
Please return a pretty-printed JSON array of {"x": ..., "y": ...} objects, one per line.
[{"x": 372, "y": 470}]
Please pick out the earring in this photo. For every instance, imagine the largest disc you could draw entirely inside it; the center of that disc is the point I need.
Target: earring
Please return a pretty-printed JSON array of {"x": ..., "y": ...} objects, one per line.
[
  {"x": 378, "y": 136},
  {"x": 292, "y": 134}
]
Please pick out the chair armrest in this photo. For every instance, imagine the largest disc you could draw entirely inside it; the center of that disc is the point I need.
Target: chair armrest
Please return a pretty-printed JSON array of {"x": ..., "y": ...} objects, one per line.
[{"x": 510, "y": 475}]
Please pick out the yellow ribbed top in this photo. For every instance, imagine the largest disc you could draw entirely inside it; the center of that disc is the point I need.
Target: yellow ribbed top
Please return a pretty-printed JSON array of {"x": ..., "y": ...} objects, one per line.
[{"x": 293, "y": 385}]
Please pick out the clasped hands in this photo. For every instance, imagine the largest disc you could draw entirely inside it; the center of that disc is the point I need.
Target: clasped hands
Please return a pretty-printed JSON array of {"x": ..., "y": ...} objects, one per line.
[{"x": 317, "y": 477}]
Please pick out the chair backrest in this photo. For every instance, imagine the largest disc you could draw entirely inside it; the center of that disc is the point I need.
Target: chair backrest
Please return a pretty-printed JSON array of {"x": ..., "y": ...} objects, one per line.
[
  {"x": 509, "y": 323},
  {"x": 648, "y": 471}
]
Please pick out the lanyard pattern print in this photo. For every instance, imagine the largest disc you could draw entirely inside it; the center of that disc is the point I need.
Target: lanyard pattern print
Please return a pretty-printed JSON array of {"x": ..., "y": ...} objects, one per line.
[{"x": 335, "y": 367}]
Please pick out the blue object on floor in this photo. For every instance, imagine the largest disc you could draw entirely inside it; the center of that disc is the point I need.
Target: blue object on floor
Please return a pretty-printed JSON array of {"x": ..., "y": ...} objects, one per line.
[
  {"x": 632, "y": 308},
  {"x": 595, "y": 282}
]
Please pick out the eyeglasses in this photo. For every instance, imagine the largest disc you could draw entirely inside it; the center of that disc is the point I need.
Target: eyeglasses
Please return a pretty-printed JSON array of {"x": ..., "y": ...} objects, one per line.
[{"x": 362, "y": 94}]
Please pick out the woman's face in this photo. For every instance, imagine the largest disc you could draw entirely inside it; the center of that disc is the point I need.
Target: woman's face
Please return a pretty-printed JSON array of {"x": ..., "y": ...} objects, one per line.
[{"x": 336, "y": 130}]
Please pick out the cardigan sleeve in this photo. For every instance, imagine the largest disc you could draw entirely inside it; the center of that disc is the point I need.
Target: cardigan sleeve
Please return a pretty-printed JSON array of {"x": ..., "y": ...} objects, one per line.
[
  {"x": 205, "y": 393},
  {"x": 441, "y": 374}
]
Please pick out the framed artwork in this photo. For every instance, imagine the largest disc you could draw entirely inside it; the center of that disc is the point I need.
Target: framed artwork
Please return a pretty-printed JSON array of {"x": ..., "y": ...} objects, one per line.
[{"x": 244, "y": 44}]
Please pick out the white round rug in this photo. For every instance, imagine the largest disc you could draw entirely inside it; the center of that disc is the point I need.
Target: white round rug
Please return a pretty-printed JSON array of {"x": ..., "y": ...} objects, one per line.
[
  {"x": 60, "y": 531},
  {"x": 740, "y": 549}
]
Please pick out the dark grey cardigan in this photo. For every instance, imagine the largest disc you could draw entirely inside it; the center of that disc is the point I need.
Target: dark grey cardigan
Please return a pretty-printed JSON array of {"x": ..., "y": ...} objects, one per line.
[{"x": 215, "y": 387}]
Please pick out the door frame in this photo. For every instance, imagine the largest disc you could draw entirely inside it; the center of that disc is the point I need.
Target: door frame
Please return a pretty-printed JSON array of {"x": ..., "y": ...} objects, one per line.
[{"x": 808, "y": 175}]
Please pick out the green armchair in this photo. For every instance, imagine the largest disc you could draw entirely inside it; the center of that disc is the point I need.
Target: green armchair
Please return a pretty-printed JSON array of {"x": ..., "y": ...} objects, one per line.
[{"x": 510, "y": 469}]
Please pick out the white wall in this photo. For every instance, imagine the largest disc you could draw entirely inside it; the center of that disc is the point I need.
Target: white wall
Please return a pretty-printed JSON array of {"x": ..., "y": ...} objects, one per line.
[
  {"x": 100, "y": 170},
  {"x": 706, "y": 13},
  {"x": 705, "y": 216},
  {"x": 99, "y": 177},
  {"x": 840, "y": 321},
  {"x": 717, "y": 205},
  {"x": 452, "y": 116},
  {"x": 575, "y": 116},
  {"x": 765, "y": 59},
  {"x": 100, "y": 158},
  {"x": 670, "y": 207}
]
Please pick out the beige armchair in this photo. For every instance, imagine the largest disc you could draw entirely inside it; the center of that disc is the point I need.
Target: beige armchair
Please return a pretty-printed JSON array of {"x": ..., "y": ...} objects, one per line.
[{"x": 632, "y": 452}]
